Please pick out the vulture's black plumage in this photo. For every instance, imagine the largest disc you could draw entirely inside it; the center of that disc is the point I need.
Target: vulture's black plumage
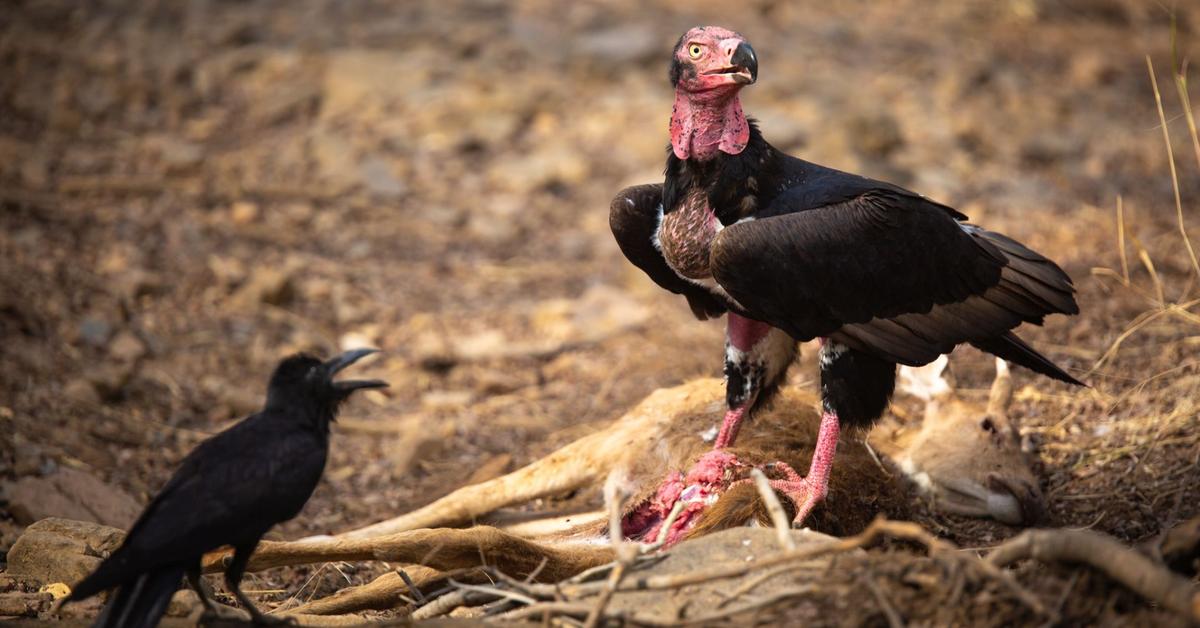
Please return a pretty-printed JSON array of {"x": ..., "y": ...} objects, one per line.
[{"x": 796, "y": 251}]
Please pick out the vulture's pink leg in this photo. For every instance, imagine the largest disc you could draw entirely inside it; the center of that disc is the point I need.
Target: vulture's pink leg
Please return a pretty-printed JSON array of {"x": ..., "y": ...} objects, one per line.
[
  {"x": 807, "y": 492},
  {"x": 743, "y": 378}
]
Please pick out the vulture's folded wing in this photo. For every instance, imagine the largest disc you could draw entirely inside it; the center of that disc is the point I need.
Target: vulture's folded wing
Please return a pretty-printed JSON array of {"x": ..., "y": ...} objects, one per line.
[
  {"x": 887, "y": 273},
  {"x": 634, "y": 218}
]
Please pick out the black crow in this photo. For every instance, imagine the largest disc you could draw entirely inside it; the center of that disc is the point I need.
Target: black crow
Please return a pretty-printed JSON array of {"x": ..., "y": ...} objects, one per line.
[
  {"x": 229, "y": 490},
  {"x": 795, "y": 251}
]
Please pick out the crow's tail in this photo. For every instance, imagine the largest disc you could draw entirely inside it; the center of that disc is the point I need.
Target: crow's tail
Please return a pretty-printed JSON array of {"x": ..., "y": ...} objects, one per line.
[
  {"x": 141, "y": 602},
  {"x": 1015, "y": 350}
]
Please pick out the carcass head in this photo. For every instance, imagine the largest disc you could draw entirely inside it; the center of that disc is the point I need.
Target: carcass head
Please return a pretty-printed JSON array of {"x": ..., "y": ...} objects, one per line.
[{"x": 967, "y": 456}]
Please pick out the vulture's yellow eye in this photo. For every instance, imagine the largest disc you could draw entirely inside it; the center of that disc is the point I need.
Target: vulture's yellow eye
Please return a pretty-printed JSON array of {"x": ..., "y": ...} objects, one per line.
[{"x": 694, "y": 50}]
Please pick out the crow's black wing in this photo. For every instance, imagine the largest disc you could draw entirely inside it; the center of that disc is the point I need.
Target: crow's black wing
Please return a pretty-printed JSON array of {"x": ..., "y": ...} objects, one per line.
[
  {"x": 233, "y": 486},
  {"x": 885, "y": 272},
  {"x": 634, "y": 217}
]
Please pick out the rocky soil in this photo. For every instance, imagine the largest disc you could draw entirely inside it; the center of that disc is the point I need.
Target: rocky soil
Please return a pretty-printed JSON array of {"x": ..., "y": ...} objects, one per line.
[{"x": 190, "y": 191}]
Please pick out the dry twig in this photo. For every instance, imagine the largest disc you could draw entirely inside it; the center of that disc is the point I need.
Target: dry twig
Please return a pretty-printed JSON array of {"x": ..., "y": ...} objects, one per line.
[
  {"x": 893, "y": 618},
  {"x": 1121, "y": 563},
  {"x": 783, "y": 528},
  {"x": 626, "y": 553}
]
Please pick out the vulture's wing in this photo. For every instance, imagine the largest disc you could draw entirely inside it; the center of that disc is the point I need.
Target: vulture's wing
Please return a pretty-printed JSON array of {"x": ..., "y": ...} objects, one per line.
[
  {"x": 891, "y": 274},
  {"x": 634, "y": 218}
]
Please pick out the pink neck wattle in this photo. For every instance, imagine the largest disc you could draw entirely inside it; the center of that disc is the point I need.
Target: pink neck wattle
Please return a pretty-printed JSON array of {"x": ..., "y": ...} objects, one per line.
[{"x": 701, "y": 126}]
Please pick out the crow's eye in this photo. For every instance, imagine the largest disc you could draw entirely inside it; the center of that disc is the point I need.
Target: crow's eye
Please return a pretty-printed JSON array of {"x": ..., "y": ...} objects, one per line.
[{"x": 694, "y": 50}]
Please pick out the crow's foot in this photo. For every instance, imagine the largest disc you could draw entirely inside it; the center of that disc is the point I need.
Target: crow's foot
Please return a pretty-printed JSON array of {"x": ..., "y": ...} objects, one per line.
[{"x": 220, "y": 613}]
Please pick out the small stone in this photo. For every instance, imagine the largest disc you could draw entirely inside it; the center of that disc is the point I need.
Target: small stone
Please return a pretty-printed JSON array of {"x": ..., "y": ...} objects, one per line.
[
  {"x": 57, "y": 590},
  {"x": 299, "y": 212},
  {"x": 243, "y": 212},
  {"x": 481, "y": 346},
  {"x": 228, "y": 270},
  {"x": 266, "y": 285},
  {"x": 446, "y": 399},
  {"x": 126, "y": 347},
  {"x": 284, "y": 102},
  {"x": 361, "y": 339},
  {"x": 377, "y": 175},
  {"x": 180, "y": 156},
  {"x": 109, "y": 380},
  {"x": 82, "y": 391},
  {"x": 138, "y": 283},
  {"x": 183, "y": 603},
  {"x": 433, "y": 351},
  {"x": 95, "y": 331}
]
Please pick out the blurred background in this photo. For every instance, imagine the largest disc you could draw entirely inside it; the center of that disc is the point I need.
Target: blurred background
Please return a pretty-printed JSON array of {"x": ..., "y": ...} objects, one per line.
[{"x": 191, "y": 190}]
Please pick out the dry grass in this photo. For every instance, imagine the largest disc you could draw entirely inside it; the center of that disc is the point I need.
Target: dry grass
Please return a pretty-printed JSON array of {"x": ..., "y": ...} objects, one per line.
[{"x": 126, "y": 143}]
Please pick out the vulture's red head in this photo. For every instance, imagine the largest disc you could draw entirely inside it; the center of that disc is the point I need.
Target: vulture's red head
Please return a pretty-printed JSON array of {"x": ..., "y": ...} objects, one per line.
[
  {"x": 711, "y": 58},
  {"x": 708, "y": 68}
]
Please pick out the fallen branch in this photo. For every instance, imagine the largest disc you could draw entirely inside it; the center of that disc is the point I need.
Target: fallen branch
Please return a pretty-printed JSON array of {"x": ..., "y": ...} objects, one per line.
[
  {"x": 1179, "y": 547},
  {"x": 381, "y": 593},
  {"x": 442, "y": 549},
  {"x": 1100, "y": 551},
  {"x": 451, "y": 601},
  {"x": 880, "y": 527}
]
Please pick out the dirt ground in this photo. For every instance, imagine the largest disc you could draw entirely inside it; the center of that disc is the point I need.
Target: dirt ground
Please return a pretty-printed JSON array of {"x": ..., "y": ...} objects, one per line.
[{"x": 190, "y": 191}]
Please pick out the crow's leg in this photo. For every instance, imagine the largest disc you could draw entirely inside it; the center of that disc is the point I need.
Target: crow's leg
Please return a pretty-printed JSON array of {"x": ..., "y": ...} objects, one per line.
[
  {"x": 233, "y": 579},
  {"x": 202, "y": 589},
  {"x": 213, "y": 611},
  {"x": 855, "y": 389}
]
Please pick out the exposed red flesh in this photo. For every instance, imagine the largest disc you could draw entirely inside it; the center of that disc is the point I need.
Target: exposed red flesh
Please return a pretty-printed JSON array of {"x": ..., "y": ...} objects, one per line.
[{"x": 714, "y": 472}]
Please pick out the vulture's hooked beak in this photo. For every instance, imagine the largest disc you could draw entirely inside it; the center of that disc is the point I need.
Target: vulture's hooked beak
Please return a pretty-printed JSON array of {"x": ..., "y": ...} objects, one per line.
[
  {"x": 333, "y": 366},
  {"x": 743, "y": 65}
]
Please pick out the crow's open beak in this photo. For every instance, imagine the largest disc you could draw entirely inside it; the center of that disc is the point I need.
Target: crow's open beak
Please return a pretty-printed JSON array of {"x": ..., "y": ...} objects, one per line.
[{"x": 346, "y": 359}]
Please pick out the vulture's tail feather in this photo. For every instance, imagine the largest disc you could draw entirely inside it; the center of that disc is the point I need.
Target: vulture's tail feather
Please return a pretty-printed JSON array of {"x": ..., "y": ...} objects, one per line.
[{"x": 1009, "y": 347}]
